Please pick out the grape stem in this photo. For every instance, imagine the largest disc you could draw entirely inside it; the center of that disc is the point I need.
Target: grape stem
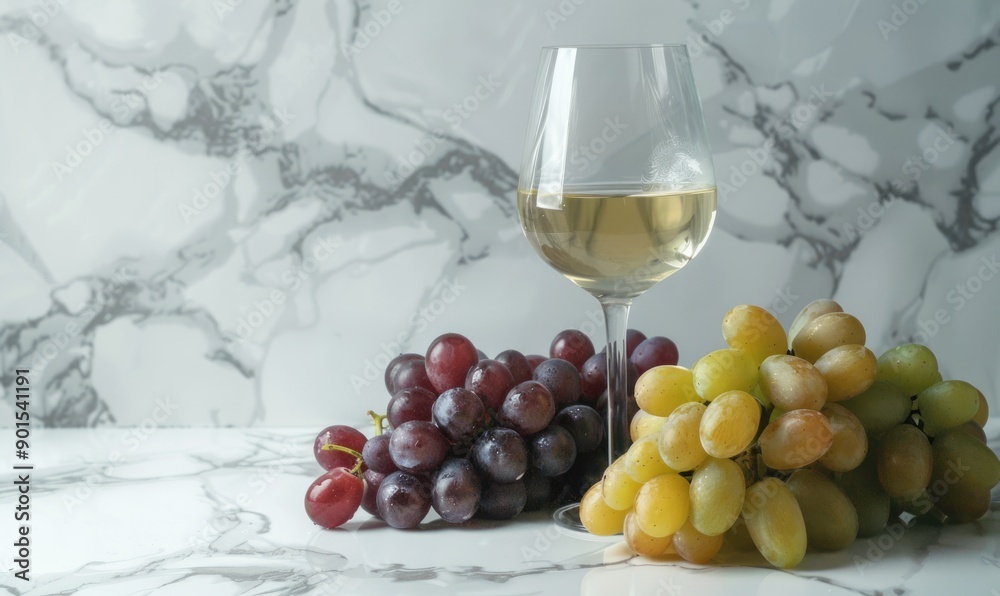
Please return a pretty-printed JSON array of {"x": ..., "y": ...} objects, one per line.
[
  {"x": 379, "y": 420},
  {"x": 358, "y": 460}
]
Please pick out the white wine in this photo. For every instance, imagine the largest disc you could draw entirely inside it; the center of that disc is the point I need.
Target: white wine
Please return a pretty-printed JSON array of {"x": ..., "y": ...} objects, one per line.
[{"x": 617, "y": 243}]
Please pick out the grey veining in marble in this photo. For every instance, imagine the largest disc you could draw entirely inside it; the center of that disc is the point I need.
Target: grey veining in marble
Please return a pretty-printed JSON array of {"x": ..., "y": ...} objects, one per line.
[{"x": 244, "y": 209}]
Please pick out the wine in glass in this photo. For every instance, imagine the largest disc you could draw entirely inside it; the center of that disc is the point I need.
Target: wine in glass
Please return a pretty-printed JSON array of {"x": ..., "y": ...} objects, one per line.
[{"x": 617, "y": 188}]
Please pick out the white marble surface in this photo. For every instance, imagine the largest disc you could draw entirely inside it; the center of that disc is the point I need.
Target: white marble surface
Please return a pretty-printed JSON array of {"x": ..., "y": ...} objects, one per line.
[
  {"x": 219, "y": 511},
  {"x": 144, "y": 269}
]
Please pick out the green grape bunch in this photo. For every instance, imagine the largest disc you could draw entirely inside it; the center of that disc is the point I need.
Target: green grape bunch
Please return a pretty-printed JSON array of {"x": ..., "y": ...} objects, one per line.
[{"x": 783, "y": 442}]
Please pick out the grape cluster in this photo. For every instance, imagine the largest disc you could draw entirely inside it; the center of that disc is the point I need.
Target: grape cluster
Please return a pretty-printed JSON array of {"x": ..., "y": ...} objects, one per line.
[
  {"x": 473, "y": 436},
  {"x": 759, "y": 445}
]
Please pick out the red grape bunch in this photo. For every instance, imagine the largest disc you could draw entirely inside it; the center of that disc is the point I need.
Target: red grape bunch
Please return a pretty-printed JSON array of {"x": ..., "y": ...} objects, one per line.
[{"x": 471, "y": 436}]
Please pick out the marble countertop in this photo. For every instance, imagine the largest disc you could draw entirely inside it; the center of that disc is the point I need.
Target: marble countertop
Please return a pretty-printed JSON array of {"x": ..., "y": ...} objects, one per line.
[{"x": 219, "y": 511}]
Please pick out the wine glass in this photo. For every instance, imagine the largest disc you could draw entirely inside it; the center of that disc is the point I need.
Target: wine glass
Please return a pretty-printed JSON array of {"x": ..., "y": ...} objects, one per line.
[{"x": 617, "y": 187}]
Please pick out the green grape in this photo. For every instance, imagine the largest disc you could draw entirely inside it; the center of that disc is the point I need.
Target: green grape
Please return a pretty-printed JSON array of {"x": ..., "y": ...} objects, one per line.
[
  {"x": 642, "y": 543},
  {"x": 791, "y": 383},
  {"x": 795, "y": 439},
  {"x": 661, "y": 389},
  {"x": 826, "y": 332},
  {"x": 964, "y": 503},
  {"x": 617, "y": 488},
  {"x": 642, "y": 461},
  {"x": 974, "y": 430},
  {"x": 695, "y": 547},
  {"x": 862, "y": 487},
  {"x": 729, "y": 424},
  {"x": 724, "y": 370},
  {"x": 755, "y": 331},
  {"x": 758, "y": 394},
  {"x": 662, "y": 505},
  {"x": 904, "y": 462},
  {"x": 880, "y": 408},
  {"x": 961, "y": 459},
  {"x": 717, "y": 490},
  {"x": 737, "y": 538},
  {"x": 597, "y": 517},
  {"x": 830, "y": 518},
  {"x": 947, "y": 404},
  {"x": 983, "y": 413},
  {"x": 812, "y": 310},
  {"x": 911, "y": 367},
  {"x": 679, "y": 439},
  {"x": 848, "y": 371},
  {"x": 775, "y": 523},
  {"x": 644, "y": 424},
  {"x": 964, "y": 472},
  {"x": 850, "y": 441}
]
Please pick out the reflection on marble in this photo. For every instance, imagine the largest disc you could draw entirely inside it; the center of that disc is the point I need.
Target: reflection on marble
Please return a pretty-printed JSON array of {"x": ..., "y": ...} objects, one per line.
[
  {"x": 244, "y": 208},
  {"x": 219, "y": 511}
]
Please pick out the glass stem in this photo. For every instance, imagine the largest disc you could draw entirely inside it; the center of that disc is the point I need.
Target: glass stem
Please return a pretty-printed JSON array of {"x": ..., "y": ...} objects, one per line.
[{"x": 616, "y": 322}]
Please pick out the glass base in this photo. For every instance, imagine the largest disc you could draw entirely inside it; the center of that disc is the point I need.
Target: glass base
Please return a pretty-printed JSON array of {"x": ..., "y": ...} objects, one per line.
[
  {"x": 568, "y": 517},
  {"x": 567, "y": 520}
]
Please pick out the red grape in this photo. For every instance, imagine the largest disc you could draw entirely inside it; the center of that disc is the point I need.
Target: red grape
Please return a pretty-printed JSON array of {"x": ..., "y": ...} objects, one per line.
[
  {"x": 417, "y": 446},
  {"x": 376, "y": 455},
  {"x": 534, "y": 360},
  {"x": 503, "y": 501},
  {"x": 573, "y": 346},
  {"x": 500, "y": 455},
  {"x": 342, "y": 435},
  {"x": 491, "y": 381},
  {"x": 654, "y": 351},
  {"x": 633, "y": 337},
  {"x": 528, "y": 408},
  {"x": 594, "y": 378},
  {"x": 456, "y": 491},
  {"x": 403, "y": 499},
  {"x": 552, "y": 450},
  {"x": 334, "y": 498},
  {"x": 410, "y": 404},
  {"x": 460, "y": 414},
  {"x": 585, "y": 424},
  {"x": 561, "y": 379},
  {"x": 517, "y": 364},
  {"x": 448, "y": 361},
  {"x": 390, "y": 370},
  {"x": 411, "y": 374},
  {"x": 370, "y": 501}
]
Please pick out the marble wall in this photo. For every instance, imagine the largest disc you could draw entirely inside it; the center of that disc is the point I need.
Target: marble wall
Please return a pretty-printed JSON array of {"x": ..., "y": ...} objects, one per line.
[{"x": 230, "y": 212}]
